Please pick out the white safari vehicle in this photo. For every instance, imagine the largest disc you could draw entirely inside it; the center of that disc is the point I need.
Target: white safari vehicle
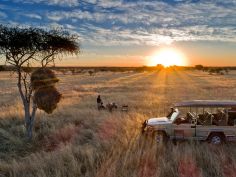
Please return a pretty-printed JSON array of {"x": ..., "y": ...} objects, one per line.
[{"x": 209, "y": 120}]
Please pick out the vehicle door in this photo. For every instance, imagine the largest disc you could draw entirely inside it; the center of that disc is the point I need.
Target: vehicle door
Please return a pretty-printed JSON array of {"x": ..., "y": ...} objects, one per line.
[
  {"x": 185, "y": 130},
  {"x": 204, "y": 126}
]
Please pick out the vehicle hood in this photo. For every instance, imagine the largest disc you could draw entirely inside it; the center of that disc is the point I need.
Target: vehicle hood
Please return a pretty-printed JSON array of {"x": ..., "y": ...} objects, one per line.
[{"x": 158, "y": 121}]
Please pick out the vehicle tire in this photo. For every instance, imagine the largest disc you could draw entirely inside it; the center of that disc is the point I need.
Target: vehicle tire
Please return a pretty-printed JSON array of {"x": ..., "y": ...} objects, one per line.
[
  {"x": 174, "y": 142},
  {"x": 216, "y": 139}
]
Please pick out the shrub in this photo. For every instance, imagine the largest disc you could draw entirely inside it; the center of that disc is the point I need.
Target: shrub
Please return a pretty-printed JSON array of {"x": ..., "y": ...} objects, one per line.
[
  {"x": 2, "y": 68},
  {"x": 199, "y": 67}
]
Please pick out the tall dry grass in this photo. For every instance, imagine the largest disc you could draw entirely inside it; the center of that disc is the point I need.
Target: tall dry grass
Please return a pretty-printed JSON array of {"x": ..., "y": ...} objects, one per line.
[{"x": 79, "y": 140}]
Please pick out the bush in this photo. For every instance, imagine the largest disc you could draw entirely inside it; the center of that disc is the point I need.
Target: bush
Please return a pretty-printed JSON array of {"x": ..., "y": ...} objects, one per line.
[
  {"x": 199, "y": 67},
  {"x": 91, "y": 73},
  {"x": 2, "y": 68},
  {"x": 27, "y": 69}
]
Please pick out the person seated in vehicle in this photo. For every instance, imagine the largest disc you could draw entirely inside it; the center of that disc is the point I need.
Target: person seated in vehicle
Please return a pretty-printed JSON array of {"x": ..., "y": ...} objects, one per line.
[
  {"x": 222, "y": 118},
  {"x": 207, "y": 118},
  {"x": 200, "y": 119},
  {"x": 232, "y": 116},
  {"x": 233, "y": 108},
  {"x": 215, "y": 119},
  {"x": 185, "y": 120},
  {"x": 172, "y": 110},
  {"x": 189, "y": 117}
]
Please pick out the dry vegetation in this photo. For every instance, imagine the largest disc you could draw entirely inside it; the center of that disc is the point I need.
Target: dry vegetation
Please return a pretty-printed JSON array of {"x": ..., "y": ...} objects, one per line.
[{"x": 79, "y": 140}]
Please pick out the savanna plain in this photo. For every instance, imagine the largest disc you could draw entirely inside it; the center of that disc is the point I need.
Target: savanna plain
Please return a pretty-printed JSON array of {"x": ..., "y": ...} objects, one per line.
[{"x": 78, "y": 140}]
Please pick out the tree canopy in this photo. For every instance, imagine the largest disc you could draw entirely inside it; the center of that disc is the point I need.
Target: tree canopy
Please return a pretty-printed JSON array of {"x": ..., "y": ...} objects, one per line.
[
  {"x": 21, "y": 44},
  {"x": 22, "y": 47}
]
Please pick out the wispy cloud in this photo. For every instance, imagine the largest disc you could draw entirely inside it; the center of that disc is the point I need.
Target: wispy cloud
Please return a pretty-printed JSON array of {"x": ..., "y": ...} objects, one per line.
[
  {"x": 105, "y": 22},
  {"x": 36, "y": 16},
  {"x": 3, "y": 15},
  {"x": 69, "y": 3}
]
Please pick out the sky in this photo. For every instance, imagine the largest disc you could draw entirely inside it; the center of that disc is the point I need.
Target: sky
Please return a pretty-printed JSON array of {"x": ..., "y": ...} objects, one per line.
[{"x": 129, "y": 33}]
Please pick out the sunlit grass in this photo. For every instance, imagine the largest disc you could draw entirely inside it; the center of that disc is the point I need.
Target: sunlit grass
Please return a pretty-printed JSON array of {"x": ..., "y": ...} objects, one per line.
[{"x": 78, "y": 140}]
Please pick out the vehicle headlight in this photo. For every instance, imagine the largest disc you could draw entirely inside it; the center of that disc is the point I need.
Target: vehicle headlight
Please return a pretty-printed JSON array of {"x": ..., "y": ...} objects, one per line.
[{"x": 150, "y": 128}]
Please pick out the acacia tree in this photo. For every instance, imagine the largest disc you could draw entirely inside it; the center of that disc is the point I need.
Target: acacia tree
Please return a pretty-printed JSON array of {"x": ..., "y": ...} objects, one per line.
[
  {"x": 199, "y": 67},
  {"x": 23, "y": 47}
]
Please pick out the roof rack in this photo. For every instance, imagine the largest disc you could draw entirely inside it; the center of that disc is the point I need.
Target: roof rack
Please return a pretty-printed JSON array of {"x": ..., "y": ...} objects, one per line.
[{"x": 207, "y": 103}]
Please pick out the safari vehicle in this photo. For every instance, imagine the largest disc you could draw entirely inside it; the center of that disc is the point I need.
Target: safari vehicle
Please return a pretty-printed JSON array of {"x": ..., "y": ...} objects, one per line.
[{"x": 208, "y": 120}]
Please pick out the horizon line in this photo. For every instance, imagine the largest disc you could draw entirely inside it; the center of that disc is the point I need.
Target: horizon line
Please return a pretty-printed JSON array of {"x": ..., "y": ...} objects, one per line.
[{"x": 69, "y": 66}]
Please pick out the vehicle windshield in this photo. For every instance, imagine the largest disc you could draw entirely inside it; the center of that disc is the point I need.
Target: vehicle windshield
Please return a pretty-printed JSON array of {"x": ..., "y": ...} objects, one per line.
[
  {"x": 172, "y": 110},
  {"x": 174, "y": 115}
]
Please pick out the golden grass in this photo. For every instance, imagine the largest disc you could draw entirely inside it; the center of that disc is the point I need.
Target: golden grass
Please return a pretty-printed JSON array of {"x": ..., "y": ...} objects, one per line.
[{"x": 79, "y": 140}]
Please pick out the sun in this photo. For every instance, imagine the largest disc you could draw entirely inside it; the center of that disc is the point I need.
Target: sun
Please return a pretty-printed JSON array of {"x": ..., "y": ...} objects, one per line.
[{"x": 167, "y": 57}]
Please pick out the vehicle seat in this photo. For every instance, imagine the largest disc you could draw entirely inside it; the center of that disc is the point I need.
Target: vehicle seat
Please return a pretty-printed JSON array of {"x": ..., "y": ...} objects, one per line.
[
  {"x": 192, "y": 118},
  {"x": 200, "y": 119},
  {"x": 207, "y": 118},
  {"x": 222, "y": 119},
  {"x": 189, "y": 117}
]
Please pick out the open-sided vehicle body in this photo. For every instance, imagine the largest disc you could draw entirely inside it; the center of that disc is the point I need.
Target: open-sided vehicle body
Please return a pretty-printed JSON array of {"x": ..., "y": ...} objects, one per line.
[{"x": 197, "y": 120}]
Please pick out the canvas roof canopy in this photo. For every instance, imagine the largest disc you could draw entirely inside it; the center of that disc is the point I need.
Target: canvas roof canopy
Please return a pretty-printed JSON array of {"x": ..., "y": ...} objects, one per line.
[{"x": 207, "y": 103}]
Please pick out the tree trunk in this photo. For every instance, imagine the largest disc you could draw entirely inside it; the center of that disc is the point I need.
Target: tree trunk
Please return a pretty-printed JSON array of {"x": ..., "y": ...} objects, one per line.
[
  {"x": 29, "y": 116},
  {"x": 32, "y": 117},
  {"x": 28, "y": 121}
]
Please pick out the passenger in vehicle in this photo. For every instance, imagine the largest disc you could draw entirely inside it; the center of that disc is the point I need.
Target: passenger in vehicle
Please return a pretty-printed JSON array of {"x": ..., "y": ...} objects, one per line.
[
  {"x": 232, "y": 116},
  {"x": 206, "y": 119},
  {"x": 184, "y": 120},
  {"x": 189, "y": 117},
  {"x": 200, "y": 119},
  {"x": 216, "y": 117},
  {"x": 233, "y": 109},
  {"x": 172, "y": 110},
  {"x": 222, "y": 118}
]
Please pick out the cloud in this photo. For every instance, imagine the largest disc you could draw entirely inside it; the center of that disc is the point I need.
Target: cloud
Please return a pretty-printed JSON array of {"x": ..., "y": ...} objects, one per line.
[
  {"x": 55, "y": 16},
  {"x": 70, "y": 15},
  {"x": 155, "y": 36},
  {"x": 69, "y": 3},
  {"x": 55, "y": 25},
  {"x": 3, "y": 15},
  {"x": 36, "y": 16},
  {"x": 105, "y": 22}
]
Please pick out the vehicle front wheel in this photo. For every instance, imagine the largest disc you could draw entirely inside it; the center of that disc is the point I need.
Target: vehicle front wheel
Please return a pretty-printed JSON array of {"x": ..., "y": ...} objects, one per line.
[
  {"x": 216, "y": 139},
  {"x": 161, "y": 137}
]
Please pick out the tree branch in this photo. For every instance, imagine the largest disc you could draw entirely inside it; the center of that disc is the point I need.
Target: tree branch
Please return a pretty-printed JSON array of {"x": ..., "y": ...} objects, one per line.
[
  {"x": 24, "y": 79},
  {"x": 33, "y": 113},
  {"x": 20, "y": 86},
  {"x": 46, "y": 58},
  {"x": 8, "y": 60},
  {"x": 29, "y": 57}
]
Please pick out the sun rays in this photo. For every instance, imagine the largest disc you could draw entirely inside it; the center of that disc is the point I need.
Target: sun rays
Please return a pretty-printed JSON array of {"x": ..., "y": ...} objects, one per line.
[{"x": 167, "y": 57}]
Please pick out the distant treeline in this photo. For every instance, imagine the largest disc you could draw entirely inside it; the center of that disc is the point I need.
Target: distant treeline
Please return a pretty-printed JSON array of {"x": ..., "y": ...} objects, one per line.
[
  {"x": 214, "y": 70},
  {"x": 91, "y": 70},
  {"x": 96, "y": 69}
]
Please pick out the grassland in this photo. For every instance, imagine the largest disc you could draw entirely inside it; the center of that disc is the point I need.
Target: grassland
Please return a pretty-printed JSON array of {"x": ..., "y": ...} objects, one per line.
[{"x": 79, "y": 140}]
